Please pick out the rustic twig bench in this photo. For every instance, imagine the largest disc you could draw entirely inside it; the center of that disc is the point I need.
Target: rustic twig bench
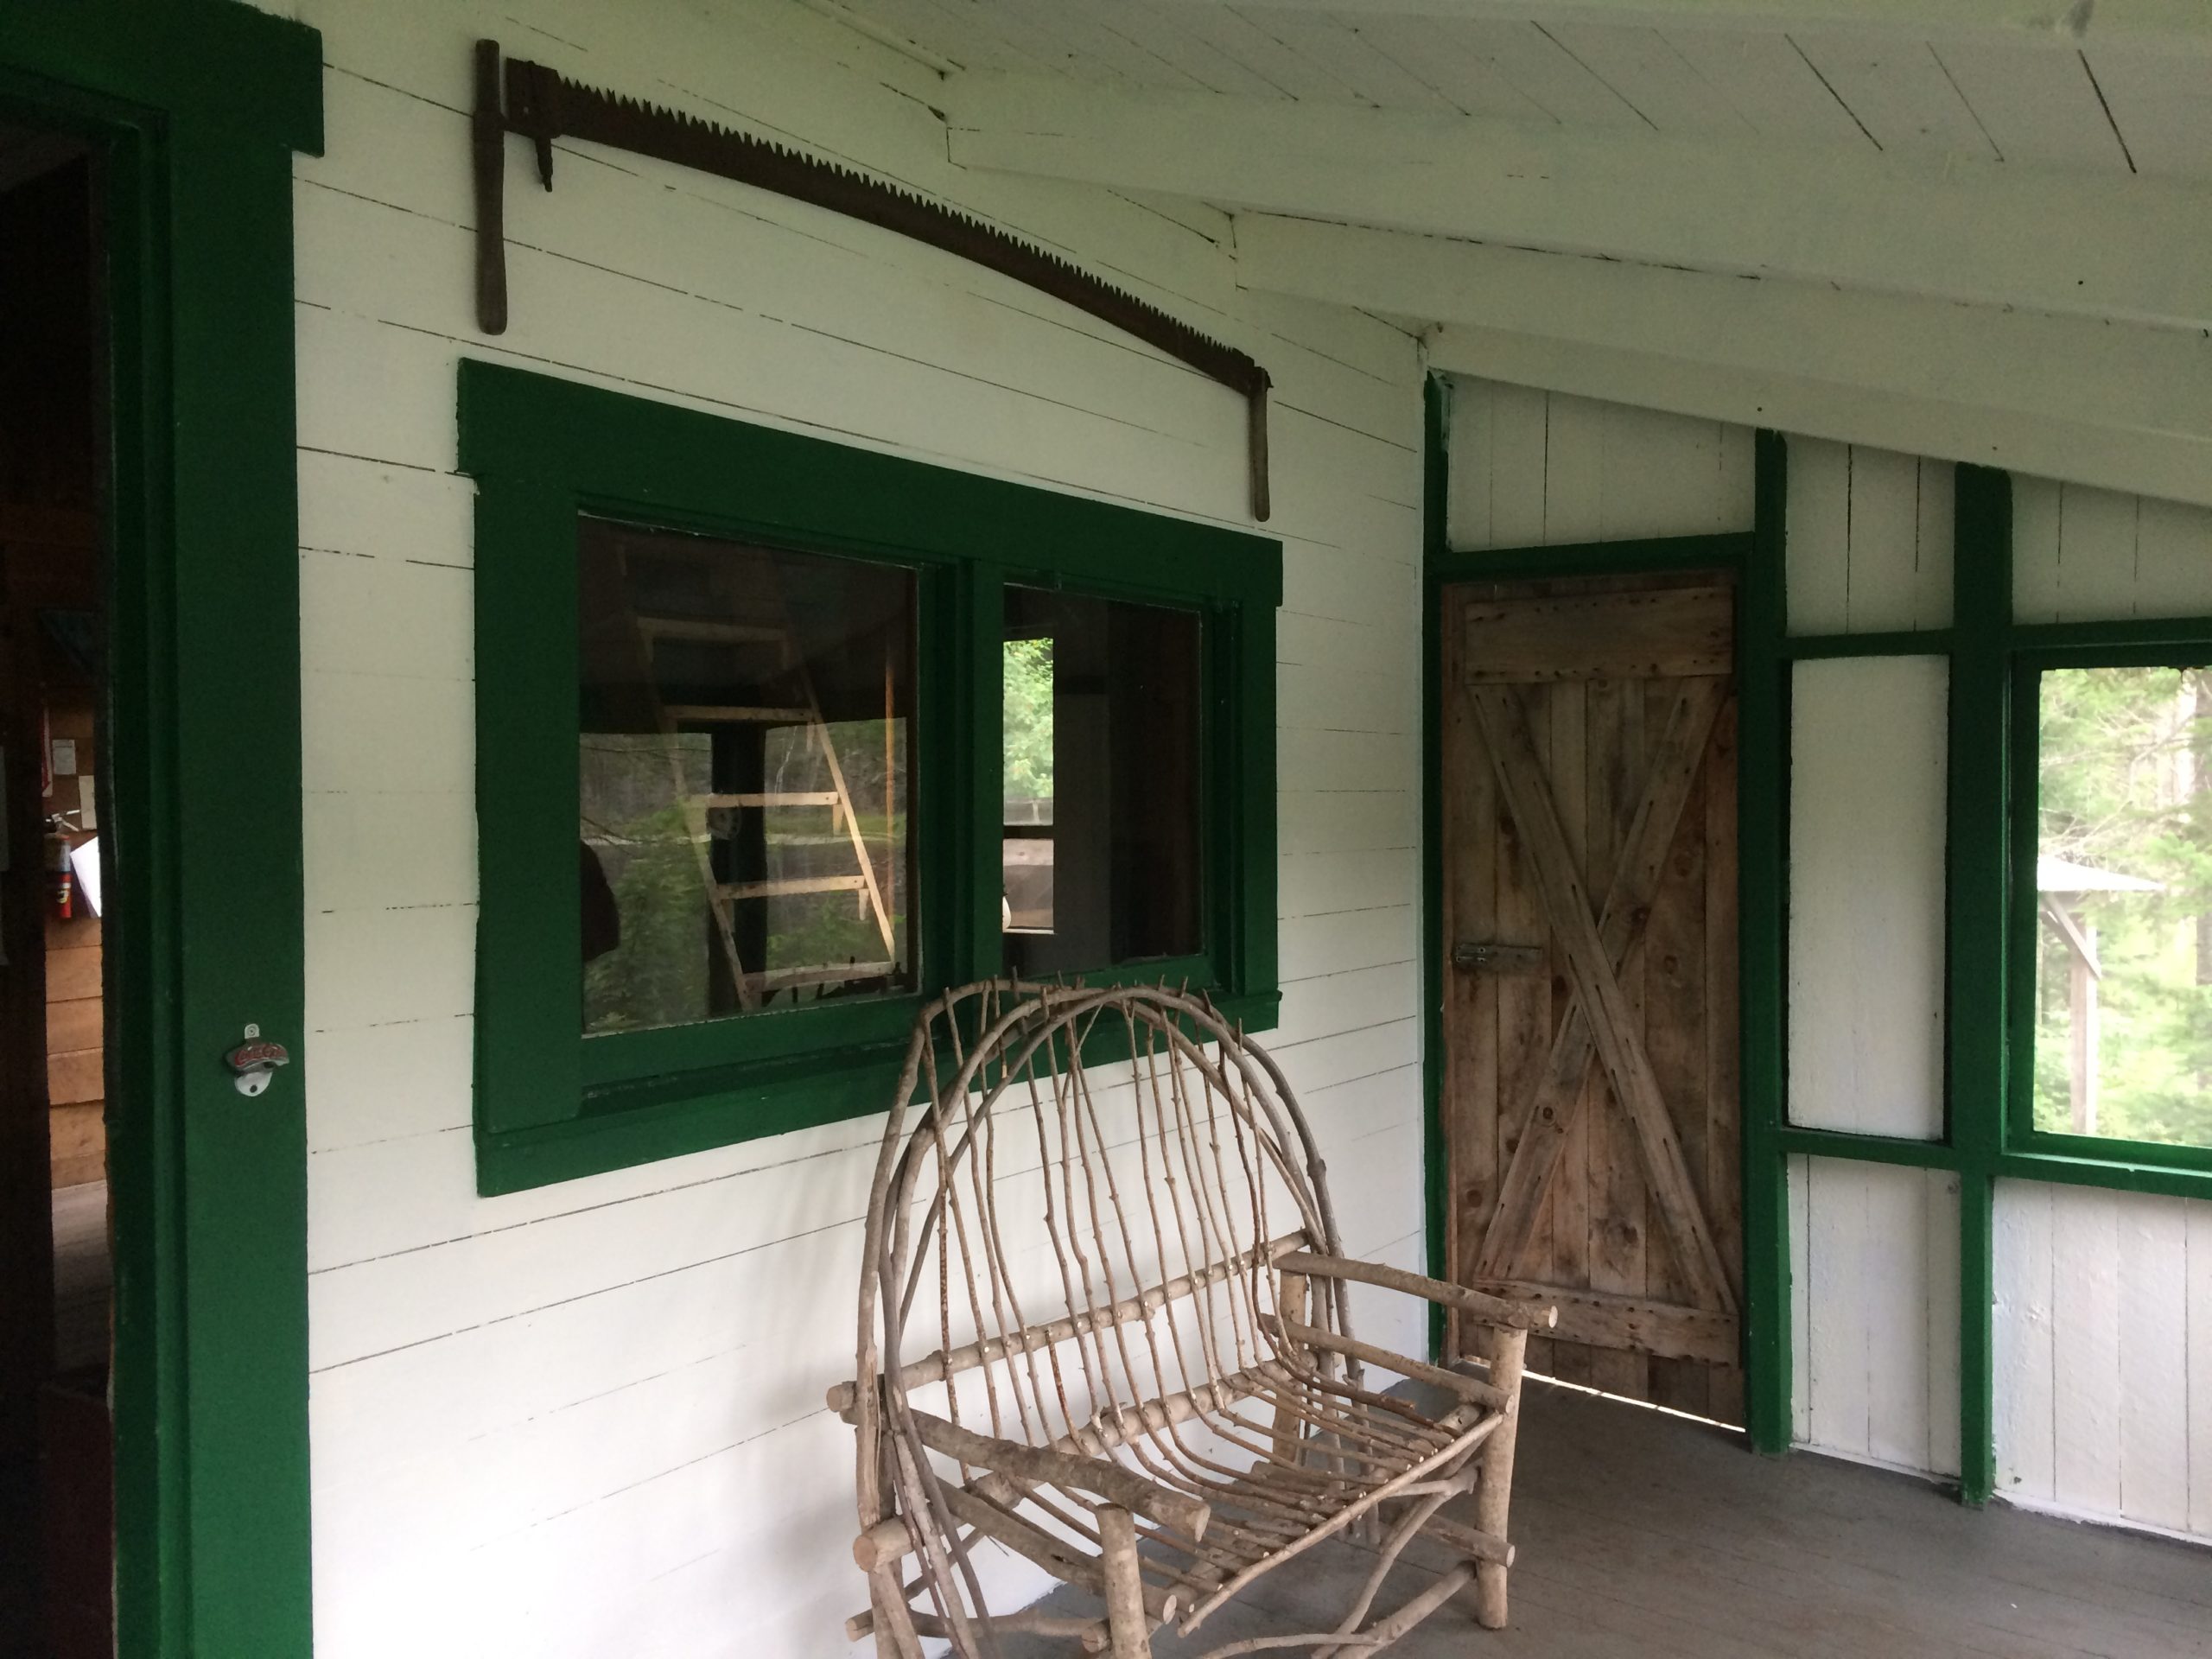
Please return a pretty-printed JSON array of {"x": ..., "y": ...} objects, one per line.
[{"x": 1105, "y": 1327}]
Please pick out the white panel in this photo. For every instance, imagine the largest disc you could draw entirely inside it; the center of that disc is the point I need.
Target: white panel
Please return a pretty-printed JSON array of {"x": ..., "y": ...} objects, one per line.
[
  {"x": 2153, "y": 1361},
  {"x": 1939, "y": 1191},
  {"x": 1531, "y": 468},
  {"x": 1869, "y": 545},
  {"x": 2104, "y": 1335},
  {"x": 1866, "y": 799},
  {"x": 2196, "y": 1302},
  {"x": 2082, "y": 555},
  {"x": 1801, "y": 1299},
  {"x": 2025, "y": 1328},
  {"x": 1816, "y": 572},
  {"x": 1838, "y": 1301},
  {"x": 1875, "y": 1313}
]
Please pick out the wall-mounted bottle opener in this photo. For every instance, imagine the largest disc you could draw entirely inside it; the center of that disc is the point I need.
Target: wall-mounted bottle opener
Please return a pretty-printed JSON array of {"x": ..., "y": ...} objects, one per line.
[{"x": 254, "y": 1062}]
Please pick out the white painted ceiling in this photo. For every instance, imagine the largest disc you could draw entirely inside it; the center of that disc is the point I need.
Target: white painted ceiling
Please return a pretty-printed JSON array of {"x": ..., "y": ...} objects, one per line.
[{"x": 2125, "y": 107}]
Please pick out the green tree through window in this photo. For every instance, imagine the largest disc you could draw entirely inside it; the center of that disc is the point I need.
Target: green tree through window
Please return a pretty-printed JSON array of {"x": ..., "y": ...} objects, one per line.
[{"x": 2123, "y": 927}]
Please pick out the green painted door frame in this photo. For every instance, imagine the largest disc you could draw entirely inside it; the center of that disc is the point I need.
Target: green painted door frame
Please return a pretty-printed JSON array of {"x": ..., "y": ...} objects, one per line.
[{"x": 194, "y": 109}]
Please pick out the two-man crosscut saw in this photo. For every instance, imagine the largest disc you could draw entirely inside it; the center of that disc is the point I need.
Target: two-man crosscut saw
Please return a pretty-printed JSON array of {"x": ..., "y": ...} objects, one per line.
[{"x": 542, "y": 105}]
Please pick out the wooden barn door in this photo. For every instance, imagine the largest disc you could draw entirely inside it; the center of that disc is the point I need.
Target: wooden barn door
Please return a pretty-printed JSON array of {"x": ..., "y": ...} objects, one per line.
[{"x": 1591, "y": 1059}]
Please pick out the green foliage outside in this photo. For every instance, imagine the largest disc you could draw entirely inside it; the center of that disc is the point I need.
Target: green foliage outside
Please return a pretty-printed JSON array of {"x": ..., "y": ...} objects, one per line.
[
  {"x": 1028, "y": 720},
  {"x": 2126, "y": 756}
]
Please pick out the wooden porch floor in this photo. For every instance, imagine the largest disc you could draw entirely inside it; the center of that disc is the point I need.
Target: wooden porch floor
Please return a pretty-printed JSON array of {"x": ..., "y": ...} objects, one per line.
[{"x": 1650, "y": 1536}]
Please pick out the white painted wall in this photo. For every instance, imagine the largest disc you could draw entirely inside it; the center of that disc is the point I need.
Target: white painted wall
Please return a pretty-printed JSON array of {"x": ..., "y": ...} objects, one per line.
[
  {"x": 2081, "y": 554},
  {"x": 1532, "y": 468},
  {"x": 1869, "y": 540},
  {"x": 2104, "y": 1355},
  {"x": 586, "y": 1421},
  {"x": 1867, "y": 772},
  {"x": 1874, "y": 1321}
]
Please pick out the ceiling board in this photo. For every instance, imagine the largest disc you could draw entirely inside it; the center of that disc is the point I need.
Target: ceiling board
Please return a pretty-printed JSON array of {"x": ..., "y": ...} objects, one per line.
[
  {"x": 2162, "y": 104},
  {"x": 2039, "y": 108},
  {"x": 1900, "y": 92},
  {"x": 1261, "y": 51},
  {"x": 1177, "y": 33},
  {"x": 1373, "y": 75},
  {"x": 1560, "y": 82},
  {"x": 1091, "y": 33},
  {"x": 1988, "y": 95},
  {"x": 1770, "y": 84},
  {"x": 1470, "y": 80},
  {"x": 1655, "y": 79}
]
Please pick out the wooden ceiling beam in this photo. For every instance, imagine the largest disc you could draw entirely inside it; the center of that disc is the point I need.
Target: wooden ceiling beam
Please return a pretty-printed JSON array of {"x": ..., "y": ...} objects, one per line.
[
  {"x": 2135, "y": 250},
  {"x": 2120, "y": 407}
]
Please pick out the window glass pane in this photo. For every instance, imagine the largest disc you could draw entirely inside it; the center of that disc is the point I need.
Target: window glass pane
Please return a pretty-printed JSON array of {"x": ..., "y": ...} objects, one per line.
[
  {"x": 2124, "y": 928},
  {"x": 746, "y": 724},
  {"x": 1101, "y": 826}
]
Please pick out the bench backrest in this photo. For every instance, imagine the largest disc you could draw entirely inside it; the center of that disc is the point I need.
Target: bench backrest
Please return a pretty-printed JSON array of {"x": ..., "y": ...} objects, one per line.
[{"x": 1048, "y": 1241}]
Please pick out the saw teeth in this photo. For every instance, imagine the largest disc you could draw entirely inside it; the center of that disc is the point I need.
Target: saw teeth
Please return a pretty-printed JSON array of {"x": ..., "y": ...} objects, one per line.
[{"x": 1193, "y": 342}]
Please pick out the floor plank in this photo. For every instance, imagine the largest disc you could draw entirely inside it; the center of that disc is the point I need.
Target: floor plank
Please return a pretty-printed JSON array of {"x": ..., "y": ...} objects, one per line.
[{"x": 1644, "y": 1534}]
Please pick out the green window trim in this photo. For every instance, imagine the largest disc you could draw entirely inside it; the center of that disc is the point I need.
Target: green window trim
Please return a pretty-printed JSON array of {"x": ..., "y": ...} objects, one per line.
[
  {"x": 550, "y": 1105},
  {"x": 2181, "y": 643}
]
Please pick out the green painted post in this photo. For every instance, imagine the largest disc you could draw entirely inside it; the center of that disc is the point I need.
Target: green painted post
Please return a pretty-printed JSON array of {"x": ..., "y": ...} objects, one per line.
[
  {"x": 1435, "y": 544},
  {"x": 1974, "y": 1025},
  {"x": 1762, "y": 788}
]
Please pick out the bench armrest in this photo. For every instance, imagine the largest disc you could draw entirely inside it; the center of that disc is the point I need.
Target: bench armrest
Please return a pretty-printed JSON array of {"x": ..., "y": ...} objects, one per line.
[
  {"x": 1042, "y": 1465},
  {"x": 1490, "y": 1310}
]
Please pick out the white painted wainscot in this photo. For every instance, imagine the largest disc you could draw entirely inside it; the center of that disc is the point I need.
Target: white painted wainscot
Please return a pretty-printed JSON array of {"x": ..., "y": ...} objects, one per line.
[{"x": 586, "y": 1421}]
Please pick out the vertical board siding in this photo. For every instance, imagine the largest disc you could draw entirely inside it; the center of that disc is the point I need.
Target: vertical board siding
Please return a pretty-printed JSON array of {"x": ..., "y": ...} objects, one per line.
[
  {"x": 1866, "y": 838},
  {"x": 1869, "y": 540},
  {"x": 1533, "y": 468},
  {"x": 1874, "y": 1334},
  {"x": 2081, "y": 554},
  {"x": 586, "y": 1419},
  {"x": 2104, "y": 1355}
]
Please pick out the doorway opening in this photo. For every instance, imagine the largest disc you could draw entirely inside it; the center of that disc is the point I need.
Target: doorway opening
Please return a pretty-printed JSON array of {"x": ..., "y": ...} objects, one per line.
[{"x": 56, "y": 1257}]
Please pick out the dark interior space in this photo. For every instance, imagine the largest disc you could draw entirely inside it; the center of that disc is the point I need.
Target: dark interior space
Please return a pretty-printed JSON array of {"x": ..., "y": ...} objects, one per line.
[{"x": 56, "y": 1528}]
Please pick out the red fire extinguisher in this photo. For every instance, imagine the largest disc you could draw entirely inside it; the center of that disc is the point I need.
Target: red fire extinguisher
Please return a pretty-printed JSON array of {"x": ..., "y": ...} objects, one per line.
[{"x": 60, "y": 879}]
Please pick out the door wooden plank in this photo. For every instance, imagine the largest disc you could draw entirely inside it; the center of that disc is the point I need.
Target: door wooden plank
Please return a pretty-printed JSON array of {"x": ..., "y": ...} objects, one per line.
[
  {"x": 1616, "y": 1193},
  {"x": 1674, "y": 959},
  {"x": 1524, "y": 1005},
  {"x": 1520, "y": 772},
  {"x": 1675, "y": 764},
  {"x": 1724, "y": 1188},
  {"x": 1469, "y": 811},
  {"x": 1667, "y": 1331},
  {"x": 1662, "y": 633},
  {"x": 1568, "y": 778}
]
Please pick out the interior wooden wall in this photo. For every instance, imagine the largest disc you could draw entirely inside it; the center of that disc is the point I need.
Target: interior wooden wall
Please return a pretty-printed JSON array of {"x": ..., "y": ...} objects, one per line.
[{"x": 588, "y": 1420}]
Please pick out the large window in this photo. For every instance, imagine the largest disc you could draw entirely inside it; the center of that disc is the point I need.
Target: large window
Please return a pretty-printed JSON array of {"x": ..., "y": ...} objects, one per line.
[
  {"x": 2122, "y": 958},
  {"x": 777, "y": 740}
]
